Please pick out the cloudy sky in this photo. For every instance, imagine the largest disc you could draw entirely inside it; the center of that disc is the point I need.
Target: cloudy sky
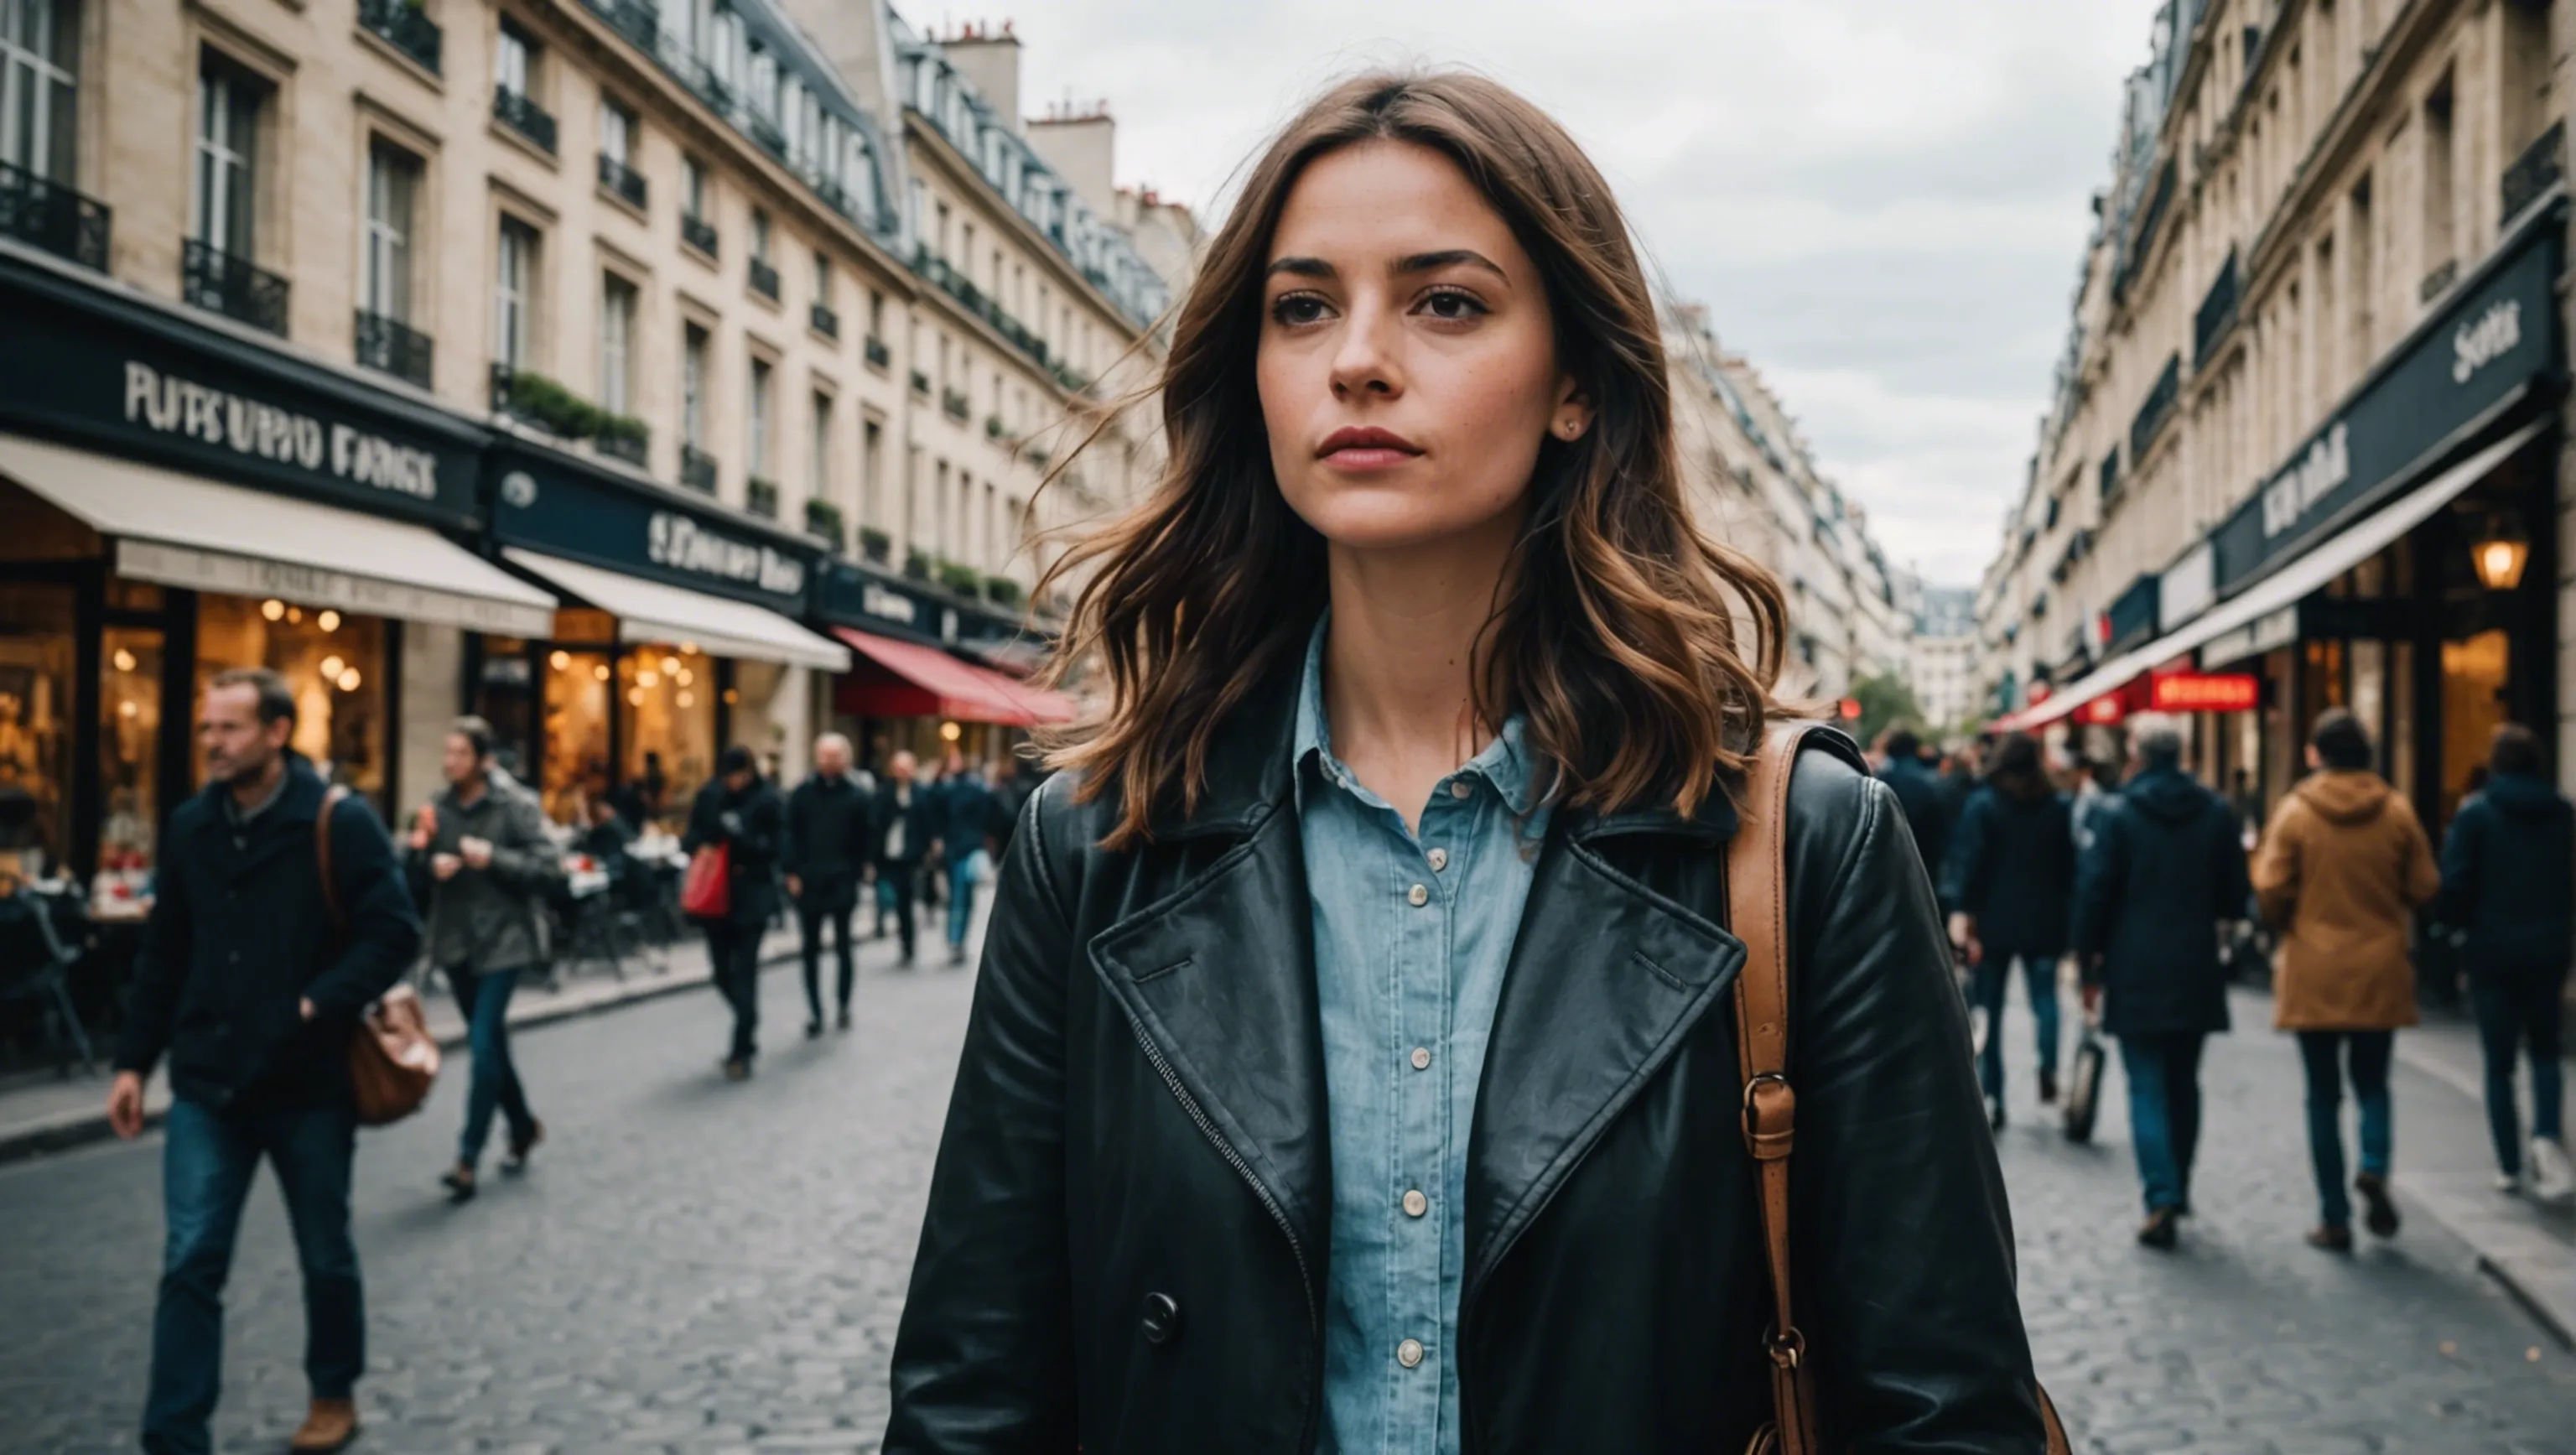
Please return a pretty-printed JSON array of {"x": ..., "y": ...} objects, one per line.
[{"x": 1882, "y": 201}]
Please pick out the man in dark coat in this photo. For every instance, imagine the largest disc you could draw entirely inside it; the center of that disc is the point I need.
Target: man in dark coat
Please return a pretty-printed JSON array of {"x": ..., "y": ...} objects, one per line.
[
  {"x": 966, "y": 826},
  {"x": 2506, "y": 868},
  {"x": 252, "y": 985},
  {"x": 738, "y": 809},
  {"x": 2163, "y": 872},
  {"x": 901, "y": 826},
  {"x": 2009, "y": 879},
  {"x": 1918, "y": 793},
  {"x": 824, "y": 855}
]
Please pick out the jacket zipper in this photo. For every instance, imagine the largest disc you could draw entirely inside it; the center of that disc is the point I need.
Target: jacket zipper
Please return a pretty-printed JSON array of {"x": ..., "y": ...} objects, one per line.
[{"x": 1233, "y": 1159}]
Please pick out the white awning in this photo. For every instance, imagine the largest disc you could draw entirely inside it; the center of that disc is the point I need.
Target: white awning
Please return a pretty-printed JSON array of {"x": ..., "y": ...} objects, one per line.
[
  {"x": 183, "y": 530},
  {"x": 648, "y": 611},
  {"x": 2293, "y": 583}
]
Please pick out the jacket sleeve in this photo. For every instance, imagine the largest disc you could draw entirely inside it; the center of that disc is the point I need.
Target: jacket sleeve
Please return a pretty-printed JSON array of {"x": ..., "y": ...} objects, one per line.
[
  {"x": 529, "y": 862},
  {"x": 983, "y": 1360},
  {"x": 2276, "y": 867},
  {"x": 791, "y": 831},
  {"x": 160, "y": 972},
  {"x": 1963, "y": 869},
  {"x": 384, "y": 930},
  {"x": 2463, "y": 860},
  {"x": 1909, "y": 1309},
  {"x": 2235, "y": 885},
  {"x": 2099, "y": 872}
]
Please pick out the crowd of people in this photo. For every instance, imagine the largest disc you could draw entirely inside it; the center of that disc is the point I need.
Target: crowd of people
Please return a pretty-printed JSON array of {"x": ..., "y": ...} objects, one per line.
[{"x": 2154, "y": 885}]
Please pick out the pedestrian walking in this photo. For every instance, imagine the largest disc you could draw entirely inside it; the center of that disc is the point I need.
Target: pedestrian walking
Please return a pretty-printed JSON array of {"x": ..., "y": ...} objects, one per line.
[
  {"x": 824, "y": 854},
  {"x": 900, "y": 830},
  {"x": 1011, "y": 787},
  {"x": 1437, "y": 1125},
  {"x": 966, "y": 830},
  {"x": 2506, "y": 867},
  {"x": 739, "y": 810},
  {"x": 484, "y": 852},
  {"x": 2010, "y": 883},
  {"x": 2343, "y": 864},
  {"x": 252, "y": 989},
  {"x": 2163, "y": 874},
  {"x": 1918, "y": 793}
]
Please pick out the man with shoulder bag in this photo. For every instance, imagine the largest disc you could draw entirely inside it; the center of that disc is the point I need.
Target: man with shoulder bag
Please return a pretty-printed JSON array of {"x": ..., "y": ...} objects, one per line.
[{"x": 253, "y": 987}]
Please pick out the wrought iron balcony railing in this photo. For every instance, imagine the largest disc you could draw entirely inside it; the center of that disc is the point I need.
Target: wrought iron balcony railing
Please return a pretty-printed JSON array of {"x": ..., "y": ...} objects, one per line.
[
  {"x": 514, "y": 110},
  {"x": 2537, "y": 170},
  {"x": 825, "y": 321},
  {"x": 764, "y": 279},
  {"x": 389, "y": 346},
  {"x": 698, "y": 233},
  {"x": 697, "y": 469},
  {"x": 403, "y": 25},
  {"x": 622, "y": 180},
  {"x": 234, "y": 287},
  {"x": 760, "y": 497},
  {"x": 878, "y": 355},
  {"x": 51, "y": 216}
]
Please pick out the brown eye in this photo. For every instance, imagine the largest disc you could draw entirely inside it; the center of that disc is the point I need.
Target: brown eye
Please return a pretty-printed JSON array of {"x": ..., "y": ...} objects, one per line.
[
  {"x": 1453, "y": 305},
  {"x": 1297, "y": 308}
]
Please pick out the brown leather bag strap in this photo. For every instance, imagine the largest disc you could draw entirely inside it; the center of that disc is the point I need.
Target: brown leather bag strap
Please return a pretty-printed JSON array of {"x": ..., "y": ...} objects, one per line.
[
  {"x": 1757, "y": 897},
  {"x": 331, "y": 800}
]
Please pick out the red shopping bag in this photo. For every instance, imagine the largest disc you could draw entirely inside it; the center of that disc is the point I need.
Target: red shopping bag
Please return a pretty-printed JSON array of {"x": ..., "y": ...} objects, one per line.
[{"x": 707, "y": 892}]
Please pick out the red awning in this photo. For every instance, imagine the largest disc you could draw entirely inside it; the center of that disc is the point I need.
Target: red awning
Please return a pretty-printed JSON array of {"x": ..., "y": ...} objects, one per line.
[{"x": 893, "y": 678}]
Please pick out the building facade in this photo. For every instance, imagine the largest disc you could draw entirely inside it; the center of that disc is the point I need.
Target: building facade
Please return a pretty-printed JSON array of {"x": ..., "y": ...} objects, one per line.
[
  {"x": 2309, "y": 426},
  {"x": 593, "y": 366}
]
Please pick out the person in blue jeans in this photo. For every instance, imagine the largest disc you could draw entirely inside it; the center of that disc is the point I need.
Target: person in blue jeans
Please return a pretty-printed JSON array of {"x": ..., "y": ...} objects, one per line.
[
  {"x": 2009, "y": 878},
  {"x": 483, "y": 850},
  {"x": 963, "y": 810},
  {"x": 2163, "y": 872},
  {"x": 250, "y": 981}
]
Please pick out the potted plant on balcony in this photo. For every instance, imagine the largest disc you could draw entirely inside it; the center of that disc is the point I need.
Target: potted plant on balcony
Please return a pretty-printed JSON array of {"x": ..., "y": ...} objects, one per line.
[
  {"x": 1002, "y": 591},
  {"x": 916, "y": 564},
  {"x": 823, "y": 522},
  {"x": 875, "y": 544},
  {"x": 965, "y": 580},
  {"x": 760, "y": 497}
]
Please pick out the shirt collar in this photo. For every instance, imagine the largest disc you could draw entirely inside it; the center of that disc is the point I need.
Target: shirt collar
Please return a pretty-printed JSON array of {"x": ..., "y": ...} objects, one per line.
[
  {"x": 1505, "y": 763},
  {"x": 240, "y": 815}
]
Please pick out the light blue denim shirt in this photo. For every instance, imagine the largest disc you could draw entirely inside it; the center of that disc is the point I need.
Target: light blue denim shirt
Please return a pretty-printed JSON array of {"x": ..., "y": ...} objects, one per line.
[{"x": 1412, "y": 934}]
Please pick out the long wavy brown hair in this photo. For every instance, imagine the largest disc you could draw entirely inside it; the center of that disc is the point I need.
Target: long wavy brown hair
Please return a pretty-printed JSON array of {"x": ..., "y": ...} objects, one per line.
[{"x": 1641, "y": 651}]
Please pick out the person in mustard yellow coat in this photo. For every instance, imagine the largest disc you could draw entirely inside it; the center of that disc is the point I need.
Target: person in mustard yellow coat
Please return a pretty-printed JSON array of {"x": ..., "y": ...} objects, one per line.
[{"x": 2343, "y": 865}]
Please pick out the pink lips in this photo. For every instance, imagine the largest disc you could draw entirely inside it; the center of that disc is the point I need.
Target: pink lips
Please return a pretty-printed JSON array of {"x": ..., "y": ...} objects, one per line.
[{"x": 1358, "y": 449}]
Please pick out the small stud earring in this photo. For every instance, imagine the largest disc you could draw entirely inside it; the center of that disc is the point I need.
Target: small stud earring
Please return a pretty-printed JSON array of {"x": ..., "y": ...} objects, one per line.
[{"x": 1570, "y": 428}]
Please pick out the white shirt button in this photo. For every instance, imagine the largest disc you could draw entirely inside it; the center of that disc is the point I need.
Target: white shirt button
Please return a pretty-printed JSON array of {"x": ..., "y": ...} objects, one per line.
[
  {"x": 1417, "y": 896},
  {"x": 1409, "y": 1353},
  {"x": 1421, "y": 1058},
  {"x": 1460, "y": 788},
  {"x": 1439, "y": 859},
  {"x": 1415, "y": 1204}
]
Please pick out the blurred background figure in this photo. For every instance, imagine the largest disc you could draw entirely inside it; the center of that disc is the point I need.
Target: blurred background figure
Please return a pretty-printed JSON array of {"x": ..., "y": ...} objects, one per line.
[
  {"x": 2009, "y": 877},
  {"x": 824, "y": 855},
  {"x": 738, "y": 810}
]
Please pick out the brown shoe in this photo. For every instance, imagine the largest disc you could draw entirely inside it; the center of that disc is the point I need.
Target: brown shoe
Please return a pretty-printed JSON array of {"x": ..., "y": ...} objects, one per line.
[
  {"x": 330, "y": 1425},
  {"x": 2380, "y": 1215},
  {"x": 2333, "y": 1237}
]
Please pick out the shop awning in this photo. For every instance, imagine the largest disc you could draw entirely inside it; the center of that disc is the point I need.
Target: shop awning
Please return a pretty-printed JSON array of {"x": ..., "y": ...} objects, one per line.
[
  {"x": 2287, "y": 587},
  {"x": 912, "y": 680},
  {"x": 180, "y": 530},
  {"x": 648, "y": 611}
]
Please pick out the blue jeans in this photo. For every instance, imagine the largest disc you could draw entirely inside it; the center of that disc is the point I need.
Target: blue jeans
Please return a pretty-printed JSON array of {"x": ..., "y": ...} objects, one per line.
[
  {"x": 2164, "y": 1112},
  {"x": 2039, "y": 974},
  {"x": 961, "y": 901},
  {"x": 2517, "y": 1009},
  {"x": 2327, "y": 1061},
  {"x": 483, "y": 998},
  {"x": 207, "y": 1161}
]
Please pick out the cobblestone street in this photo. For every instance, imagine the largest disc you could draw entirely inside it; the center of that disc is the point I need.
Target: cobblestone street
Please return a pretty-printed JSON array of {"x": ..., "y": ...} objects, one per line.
[{"x": 697, "y": 1267}]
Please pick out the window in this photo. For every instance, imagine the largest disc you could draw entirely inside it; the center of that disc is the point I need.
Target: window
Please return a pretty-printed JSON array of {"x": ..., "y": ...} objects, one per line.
[
  {"x": 939, "y": 512},
  {"x": 871, "y": 473},
  {"x": 393, "y": 183},
  {"x": 693, "y": 387},
  {"x": 876, "y": 314},
  {"x": 822, "y": 279},
  {"x": 2440, "y": 246},
  {"x": 228, "y": 116},
  {"x": 819, "y": 463},
  {"x": 514, "y": 66},
  {"x": 760, "y": 234},
  {"x": 616, "y": 345},
  {"x": 940, "y": 245},
  {"x": 39, "y": 74},
  {"x": 514, "y": 293},
  {"x": 616, "y": 133},
  {"x": 693, "y": 186},
  {"x": 760, "y": 419}
]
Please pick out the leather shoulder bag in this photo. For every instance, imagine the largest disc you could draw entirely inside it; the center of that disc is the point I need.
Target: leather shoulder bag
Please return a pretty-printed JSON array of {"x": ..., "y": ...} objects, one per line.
[
  {"x": 393, "y": 1059},
  {"x": 1757, "y": 886}
]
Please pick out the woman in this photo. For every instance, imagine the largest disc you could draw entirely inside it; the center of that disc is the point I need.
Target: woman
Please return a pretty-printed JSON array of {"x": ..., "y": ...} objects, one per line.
[
  {"x": 1352, "y": 1065},
  {"x": 739, "y": 811},
  {"x": 2505, "y": 871},
  {"x": 2010, "y": 883}
]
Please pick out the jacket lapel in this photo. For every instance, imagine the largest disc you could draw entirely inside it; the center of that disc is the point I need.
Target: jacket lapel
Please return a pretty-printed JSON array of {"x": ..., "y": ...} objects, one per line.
[
  {"x": 1233, "y": 1015},
  {"x": 1606, "y": 979}
]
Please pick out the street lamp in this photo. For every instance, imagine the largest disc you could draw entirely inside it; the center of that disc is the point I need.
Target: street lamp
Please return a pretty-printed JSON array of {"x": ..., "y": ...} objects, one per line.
[{"x": 2500, "y": 553}]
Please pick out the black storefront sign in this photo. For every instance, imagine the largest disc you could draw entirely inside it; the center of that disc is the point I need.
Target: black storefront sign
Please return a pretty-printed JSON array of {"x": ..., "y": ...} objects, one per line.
[
  {"x": 2498, "y": 335},
  {"x": 2132, "y": 616},
  {"x": 564, "y": 507},
  {"x": 851, "y": 595},
  {"x": 90, "y": 369}
]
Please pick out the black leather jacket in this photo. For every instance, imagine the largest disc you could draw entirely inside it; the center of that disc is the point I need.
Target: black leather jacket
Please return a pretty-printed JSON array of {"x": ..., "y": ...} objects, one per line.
[{"x": 1128, "y": 1226}]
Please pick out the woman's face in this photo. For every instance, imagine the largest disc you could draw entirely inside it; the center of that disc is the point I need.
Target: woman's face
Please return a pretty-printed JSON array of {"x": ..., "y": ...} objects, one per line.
[{"x": 1407, "y": 363}]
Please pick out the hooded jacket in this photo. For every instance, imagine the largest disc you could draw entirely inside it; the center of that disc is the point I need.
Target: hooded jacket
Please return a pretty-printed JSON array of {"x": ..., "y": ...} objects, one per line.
[
  {"x": 493, "y": 918},
  {"x": 2506, "y": 868},
  {"x": 2343, "y": 864},
  {"x": 1127, "y": 1244},
  {"x": 2011, "y": 864},
  {"x": 2163, "y": 871}
]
